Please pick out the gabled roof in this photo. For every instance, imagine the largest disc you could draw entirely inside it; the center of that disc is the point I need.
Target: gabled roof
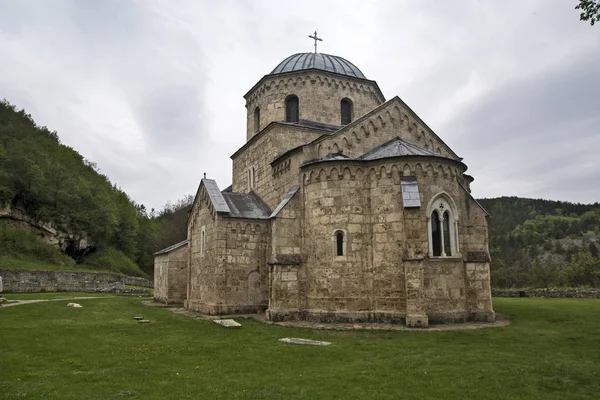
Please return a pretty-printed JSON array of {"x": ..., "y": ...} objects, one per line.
[
  {"x": 395, "y": 148},
  {"x": 246, "y": 205},
  {"x": 230, "y": 204},
  {"x": 474, "y": 199},
  {"x": 215, "y": 195},
  {"x": 285, "y": 200},
  {"x": 302, "y": 124},
  {"x": 171, "y": 248}
]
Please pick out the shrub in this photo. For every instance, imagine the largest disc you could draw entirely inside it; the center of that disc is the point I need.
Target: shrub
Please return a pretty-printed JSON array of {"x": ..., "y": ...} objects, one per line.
[
  {"x": 25, "y": 244},
  {"x": 113, "y": 260}
]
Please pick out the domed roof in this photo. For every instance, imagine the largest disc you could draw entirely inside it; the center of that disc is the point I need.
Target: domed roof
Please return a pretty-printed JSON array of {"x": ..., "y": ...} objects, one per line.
[{"x": 325, "y": 62}]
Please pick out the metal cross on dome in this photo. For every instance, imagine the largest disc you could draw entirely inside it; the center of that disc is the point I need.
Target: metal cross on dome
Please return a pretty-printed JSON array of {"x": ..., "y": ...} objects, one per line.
[{"x": 316, "y": 38}]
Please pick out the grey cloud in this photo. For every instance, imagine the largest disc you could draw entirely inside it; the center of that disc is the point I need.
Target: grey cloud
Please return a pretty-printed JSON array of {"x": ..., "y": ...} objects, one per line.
[
  {"x": 170, "y": 117},
  {"x": 151, "y": 90}
]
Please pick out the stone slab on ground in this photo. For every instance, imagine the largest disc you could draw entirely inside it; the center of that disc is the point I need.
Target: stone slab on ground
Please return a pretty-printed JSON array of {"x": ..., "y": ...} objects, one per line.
[
  {"x": 227, "y": 323},
  {"x": 308, "y": 342}
]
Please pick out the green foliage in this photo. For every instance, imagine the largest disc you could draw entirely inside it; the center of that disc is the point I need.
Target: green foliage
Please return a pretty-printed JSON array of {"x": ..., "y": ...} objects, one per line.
[
  {"x": 542, "y": 243},
  {"x": 24, "y": 244},
  {"x": 113, "y": 260},
  {"x": 590, "y": 10},
  {"x": 53, "y": 183}
]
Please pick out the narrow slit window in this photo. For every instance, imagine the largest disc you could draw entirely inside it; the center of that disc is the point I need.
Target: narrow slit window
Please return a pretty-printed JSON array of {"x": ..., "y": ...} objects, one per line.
[
  {"x": 339, "y": 238},
  {"x": 436, "y": 234},
  {"x": 202, "y": 240},
  {"x": 256, "y": 120},
  {"x": 447, "y": 247}
]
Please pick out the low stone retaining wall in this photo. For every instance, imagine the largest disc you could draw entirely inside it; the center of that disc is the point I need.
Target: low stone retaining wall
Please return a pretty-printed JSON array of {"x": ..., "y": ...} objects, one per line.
[
  {"x": 32, "y": 281},
  {"x": 554, "y": 293}
]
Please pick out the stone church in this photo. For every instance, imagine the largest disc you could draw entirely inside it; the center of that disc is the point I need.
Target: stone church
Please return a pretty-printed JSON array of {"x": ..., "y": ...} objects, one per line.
[{"x": 344, "y": 206}]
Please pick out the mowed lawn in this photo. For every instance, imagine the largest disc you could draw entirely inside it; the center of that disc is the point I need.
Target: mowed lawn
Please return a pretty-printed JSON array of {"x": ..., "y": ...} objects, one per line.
[{"x": 48, "y": 351}]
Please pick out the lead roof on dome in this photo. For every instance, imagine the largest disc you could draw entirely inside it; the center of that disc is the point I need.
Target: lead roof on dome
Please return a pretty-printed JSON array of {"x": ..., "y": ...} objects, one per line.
[{"x": 325, "y": 62}]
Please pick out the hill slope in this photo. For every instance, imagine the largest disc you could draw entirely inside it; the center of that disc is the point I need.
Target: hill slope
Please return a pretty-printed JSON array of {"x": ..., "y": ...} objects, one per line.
[
  {"x": 54, "y": 184},
  {"x": 542, "y": 243}
]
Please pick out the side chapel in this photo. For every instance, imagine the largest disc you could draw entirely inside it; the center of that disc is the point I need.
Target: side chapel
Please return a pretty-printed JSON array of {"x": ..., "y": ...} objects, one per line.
[{"x": 344, "y": 207}]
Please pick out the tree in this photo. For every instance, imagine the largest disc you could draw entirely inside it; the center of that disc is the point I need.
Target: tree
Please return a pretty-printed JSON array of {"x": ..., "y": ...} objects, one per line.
[{"x": 590, "y": 10}]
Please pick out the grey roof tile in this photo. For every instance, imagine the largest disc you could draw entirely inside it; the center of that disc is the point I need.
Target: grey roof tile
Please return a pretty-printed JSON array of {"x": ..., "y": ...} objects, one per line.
[
  {"x": 395, "y": 148},
  {"x": 171, "y": 248},
  {"x": 285, "y": 200},
  {"x": 215, "y": 195},
  {"x": 312, "y": 125},
  {"x": 325, "y": 62},
  {"x": 246, "y": 205}
]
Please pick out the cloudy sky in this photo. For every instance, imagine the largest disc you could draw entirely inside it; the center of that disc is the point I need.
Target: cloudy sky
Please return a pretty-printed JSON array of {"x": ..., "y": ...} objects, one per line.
[{"x": 152, "y": 90}]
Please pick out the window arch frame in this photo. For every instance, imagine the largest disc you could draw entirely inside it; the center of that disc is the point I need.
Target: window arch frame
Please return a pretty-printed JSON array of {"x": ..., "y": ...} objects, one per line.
[
  {"x": 288, "y": 112},
  {"x": 444, "y": 207},
  {"x": 350, "y": 115},
  {"x": 336, "y": 244}
]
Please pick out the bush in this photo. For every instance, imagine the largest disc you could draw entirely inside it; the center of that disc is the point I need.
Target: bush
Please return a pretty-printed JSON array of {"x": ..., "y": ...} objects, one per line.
[
  {"x": 22, "y": 243},
  {"x": 113, "y": 260}
]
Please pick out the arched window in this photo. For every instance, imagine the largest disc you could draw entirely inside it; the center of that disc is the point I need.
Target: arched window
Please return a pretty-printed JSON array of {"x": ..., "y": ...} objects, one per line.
[
  {"x": 346, "y": 111},
  {"x": 443, "y": 227},
  {"x": 292, "y": 110},
  {"x": 436, "y": 234},
  {"x": 339, "y": 243},
  {"x": 446, "y": 230},
  {"x": 256, "y": 120}
]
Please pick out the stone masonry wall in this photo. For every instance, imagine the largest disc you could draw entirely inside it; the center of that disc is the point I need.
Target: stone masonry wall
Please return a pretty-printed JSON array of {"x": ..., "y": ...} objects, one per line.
[
  {"x": 161, "y": 277},
  {"x": 368, "y": 282},
  {"x": 32, "y": 281},
  {"x": 287, "y": 276},
  {"x": 319, "y": 96},
  {"x": 381, "y": 125},
  {"x": 205, "y": 263},
  {"x": 259, "y": 154},
  {"x": 230, "y": 275},
  {"x": 171, "y": 275},
  {"x": 245, "y": 287}
]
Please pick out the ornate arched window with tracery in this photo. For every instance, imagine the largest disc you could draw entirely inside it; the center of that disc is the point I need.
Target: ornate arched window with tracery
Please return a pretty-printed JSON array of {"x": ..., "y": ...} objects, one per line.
[{"x": 442, "y": 226}]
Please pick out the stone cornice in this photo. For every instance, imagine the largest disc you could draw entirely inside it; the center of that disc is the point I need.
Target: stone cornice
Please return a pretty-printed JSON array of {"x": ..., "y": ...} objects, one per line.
[{"x": 313, "y": 75}]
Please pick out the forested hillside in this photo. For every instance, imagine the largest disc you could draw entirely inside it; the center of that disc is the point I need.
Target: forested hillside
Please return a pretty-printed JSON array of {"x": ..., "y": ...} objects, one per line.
[
  {"x": 543, "y": 243},
  {"x": 54, "y": 184}
]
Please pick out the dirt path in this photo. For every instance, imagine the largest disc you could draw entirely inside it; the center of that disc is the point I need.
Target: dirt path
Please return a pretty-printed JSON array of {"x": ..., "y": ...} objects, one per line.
[{"x": 23, "y": 302}]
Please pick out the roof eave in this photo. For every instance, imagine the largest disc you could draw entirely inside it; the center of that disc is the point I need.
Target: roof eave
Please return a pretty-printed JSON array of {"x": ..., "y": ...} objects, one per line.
[
  {"x": 303, "y": 71},
  {"x": 359, "y": 161}
]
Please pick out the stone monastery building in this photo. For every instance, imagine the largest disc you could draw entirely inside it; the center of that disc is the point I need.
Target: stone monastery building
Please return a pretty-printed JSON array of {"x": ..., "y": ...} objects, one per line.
[{"x": 344, "y": 206}]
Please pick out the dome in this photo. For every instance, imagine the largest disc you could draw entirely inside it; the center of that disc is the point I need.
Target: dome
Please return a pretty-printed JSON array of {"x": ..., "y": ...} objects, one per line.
[{"x": 325, "y": 62}]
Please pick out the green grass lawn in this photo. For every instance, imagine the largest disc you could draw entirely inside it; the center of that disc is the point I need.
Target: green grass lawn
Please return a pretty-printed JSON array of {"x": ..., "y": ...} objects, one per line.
[{"x": 48, "y": 351}]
